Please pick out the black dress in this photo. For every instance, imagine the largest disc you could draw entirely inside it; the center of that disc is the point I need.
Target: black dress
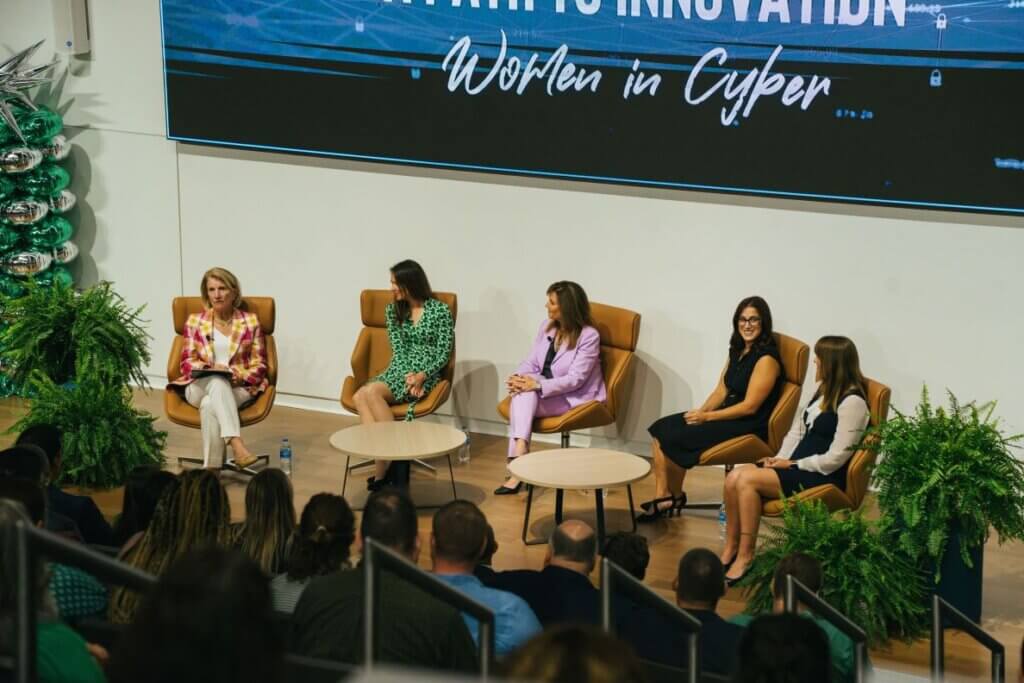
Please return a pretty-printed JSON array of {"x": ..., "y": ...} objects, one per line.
[
  {"x": 817, "y": 439},
  {"x": 683, "y": 443}
]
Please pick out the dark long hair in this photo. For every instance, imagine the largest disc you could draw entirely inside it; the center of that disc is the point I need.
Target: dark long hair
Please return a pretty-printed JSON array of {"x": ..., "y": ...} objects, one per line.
[
  {"x": 575, "y": 308},
  {"x": 736, "y": 343},
  {"x": 269, "y": 520},
  {"x": 141, "y": 492},
  {"x": 840, "y": 371},
  {"x": 413, "y": 282},
  {"x": 326, "y": 531}
]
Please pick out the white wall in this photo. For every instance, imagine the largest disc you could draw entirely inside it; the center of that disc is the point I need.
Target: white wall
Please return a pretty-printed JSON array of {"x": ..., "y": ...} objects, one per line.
[{"x": 928, "y": 297}]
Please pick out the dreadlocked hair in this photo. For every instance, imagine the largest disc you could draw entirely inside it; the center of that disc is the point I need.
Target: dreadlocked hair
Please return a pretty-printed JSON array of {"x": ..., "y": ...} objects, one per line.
[
  {"x": 269, "y": 520},
  {"x": 206, "y": 512}
]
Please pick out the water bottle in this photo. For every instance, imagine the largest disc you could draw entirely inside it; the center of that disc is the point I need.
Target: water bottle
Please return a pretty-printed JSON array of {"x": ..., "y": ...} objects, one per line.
[
  {"x": 285, "y": 456},
  {"x": 464, "y": 450},
  {"x": 721, "y": 522}
]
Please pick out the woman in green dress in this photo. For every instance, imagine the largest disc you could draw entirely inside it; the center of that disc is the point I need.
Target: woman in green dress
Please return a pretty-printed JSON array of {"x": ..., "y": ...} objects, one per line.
[{"x": 421, "y": 334}]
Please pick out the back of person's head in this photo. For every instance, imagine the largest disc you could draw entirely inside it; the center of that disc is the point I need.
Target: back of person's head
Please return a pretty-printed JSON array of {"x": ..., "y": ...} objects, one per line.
[
  {"x": 142, "y": 489},
  {"x": 322, "y": 544},
  {"x": 11, "y": 512},
  {"x": 29, "y": 494},
  {"x": 575, "y": 542},
  {"x": 25, "y": 462},
  {"x": 205, "y": 511},
  {"x": 783, "y": 648},
  {"x": 629, "y": 551},
  {"x": 208, "y": 620},
  {"x": 492, "y": 547},
  {"x": 269, "y": 520},
  {"x": 459, "y": 533},
  {"x": 701, "y": 577},
  {"x": 803, "y": 568},
  {"x": 45, "y": 437},
  {"x": 576, "y": 653},
  {"x": 389, "y": 518}
]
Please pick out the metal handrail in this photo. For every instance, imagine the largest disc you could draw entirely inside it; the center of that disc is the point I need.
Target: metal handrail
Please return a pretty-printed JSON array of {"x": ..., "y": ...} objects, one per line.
[
  {"x": 615, "y": 579},
  {"x": 31, "y": 543},
  {"x": 798, "y": 592},
  {"x": 376, "y": 558},
  {"x": 942, "y": 609}
]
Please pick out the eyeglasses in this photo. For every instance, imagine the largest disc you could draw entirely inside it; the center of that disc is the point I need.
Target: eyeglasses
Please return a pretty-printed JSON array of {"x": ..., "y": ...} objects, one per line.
[{"x": 752, "y": 321}]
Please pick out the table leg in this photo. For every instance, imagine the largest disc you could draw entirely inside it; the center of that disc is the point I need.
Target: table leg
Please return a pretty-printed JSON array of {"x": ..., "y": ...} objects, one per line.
[
  {"x": 559, "y": 493},
  {"x": 344, "y": 481},
  {"x": 632, "y": 512},
  {"x": 529, "y": 504},
  {"x": 599, "y": 493},
  {"x": 451, "y": 474}
]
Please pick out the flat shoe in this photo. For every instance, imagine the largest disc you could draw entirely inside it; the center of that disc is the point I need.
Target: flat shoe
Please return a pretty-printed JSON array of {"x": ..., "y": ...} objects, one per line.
[{"x": 242, "y": 464}]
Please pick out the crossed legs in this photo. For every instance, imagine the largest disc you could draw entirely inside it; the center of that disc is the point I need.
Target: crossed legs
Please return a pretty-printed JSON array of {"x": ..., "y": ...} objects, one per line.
[
  {"x": 523, "y": 409},
  {"x": 218, "y": 403},
  {"x": 746, "y": 489},
  {"x": 373, "y": 402},
  {"x": 668, "y": 476}
]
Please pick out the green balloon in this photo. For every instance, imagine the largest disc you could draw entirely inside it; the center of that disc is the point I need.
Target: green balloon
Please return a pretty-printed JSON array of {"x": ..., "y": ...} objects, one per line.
[
  {"x": 40, "y": 125},
  {"x": 6, "y": 187},
  {"x": 45, "y": 180},
  {"x": 57, "y": 273},
  {"x": 11, "y": 286},
  {"x": 49, "y": 233},
  {"x": 9, "y": 238}
]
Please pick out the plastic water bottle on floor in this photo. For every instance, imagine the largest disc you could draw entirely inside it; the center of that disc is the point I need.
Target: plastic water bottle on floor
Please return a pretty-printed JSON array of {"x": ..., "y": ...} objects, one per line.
[
  {"x": 285, "y": 456},
  {"x": 721, "y": 521},
  {"x": 464, "y": 450}
]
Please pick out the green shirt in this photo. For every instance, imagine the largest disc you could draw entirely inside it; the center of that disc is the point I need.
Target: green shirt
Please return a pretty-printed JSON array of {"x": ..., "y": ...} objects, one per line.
[{"x": 61, "y": 656}]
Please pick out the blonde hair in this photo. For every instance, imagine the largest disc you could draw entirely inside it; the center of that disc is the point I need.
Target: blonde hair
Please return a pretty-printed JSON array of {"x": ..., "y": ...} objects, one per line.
[
  {"x": 840, "y": 371},
  {"x": 225, "y": 276}
]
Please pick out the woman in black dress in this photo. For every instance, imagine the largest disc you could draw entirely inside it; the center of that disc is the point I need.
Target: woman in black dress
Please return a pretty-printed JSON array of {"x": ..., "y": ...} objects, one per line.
[
  {"x": 816, "y": 451},
  {"x": 741, "y": 404}
]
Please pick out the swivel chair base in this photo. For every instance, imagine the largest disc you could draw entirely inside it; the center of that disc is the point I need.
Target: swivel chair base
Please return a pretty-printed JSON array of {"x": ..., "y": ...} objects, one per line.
[{"x": 230, "y": 466}]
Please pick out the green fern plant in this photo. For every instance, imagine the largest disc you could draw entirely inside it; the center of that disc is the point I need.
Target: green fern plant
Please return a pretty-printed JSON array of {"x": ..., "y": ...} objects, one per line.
[
  {"x": 876, "y": 587},
  {"x": 104, "y": 435},
  {"x": 943, "y": 469},
  {"x": 68, "y": 335}
]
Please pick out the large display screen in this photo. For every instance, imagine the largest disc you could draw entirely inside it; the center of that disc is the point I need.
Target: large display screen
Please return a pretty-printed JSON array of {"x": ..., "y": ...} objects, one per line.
[{"x": 878, "y": 101}]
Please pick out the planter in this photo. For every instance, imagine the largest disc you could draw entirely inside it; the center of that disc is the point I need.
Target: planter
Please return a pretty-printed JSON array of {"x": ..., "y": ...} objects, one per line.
[{"x": 960, "y": 585}]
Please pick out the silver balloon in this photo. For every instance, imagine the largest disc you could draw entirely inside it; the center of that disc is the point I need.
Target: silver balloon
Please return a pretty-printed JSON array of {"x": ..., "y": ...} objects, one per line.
[
  {"x": 20, "y": 159},
  {"x": 65, "y": 253},
  {"x": 26, "y": 263},
  {"x": 24, "y": 211},
  {"x": 58, "y": 149},
  {"x": 63, "y": 202}
]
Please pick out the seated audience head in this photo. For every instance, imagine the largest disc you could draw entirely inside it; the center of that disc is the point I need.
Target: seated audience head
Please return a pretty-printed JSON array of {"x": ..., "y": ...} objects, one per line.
[
  {"x": 323, "y": 541},
  {"x": 492, "y": 547},
  {"x": 208, "y": 620},
  {"x": 458, "y": 537},
  {"x": 28, "y": 494},
  {"x": 577, "y": 653},
  {"x": 700, "y": 581},
  {"x": 751, "y": 323},
  {"x": 205, "y": 511},
  {"x": 804, "y": 569},
  {"x": 569, "y": 310},
  {"x": 25, "y": 462},
  {"x": 573, "y": 545},
  {"x": 142, "y": 489},
  {"x": 11, "y": 512},
  {"x": 837, "y": 368},
  {"x": 783, "y": 648},
  {"x": 48, "y": 439},
  {"x": 629, "y": 551},
  {"x": 389, "y": 518},
  {"x": 269, "y": 520}
]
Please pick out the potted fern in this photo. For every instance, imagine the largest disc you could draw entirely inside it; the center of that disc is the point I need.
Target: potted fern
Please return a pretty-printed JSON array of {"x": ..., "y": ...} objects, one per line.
[
  {"x": 876, "y": 587},
  {"x": 945, "y": 478}
]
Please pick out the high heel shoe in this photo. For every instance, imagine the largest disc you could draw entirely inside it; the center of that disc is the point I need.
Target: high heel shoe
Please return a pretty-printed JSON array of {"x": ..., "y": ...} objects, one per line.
[
  {"x": 746, "y": 570},
  {"x": 651, "y": 504},
  {"x": 656, "y": 512},
  {"x": 508, "y": 490}
]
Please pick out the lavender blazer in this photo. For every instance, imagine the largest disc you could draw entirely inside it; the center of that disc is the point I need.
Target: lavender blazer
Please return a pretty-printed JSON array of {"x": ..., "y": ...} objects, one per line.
[{"x": 575, "y": 373}]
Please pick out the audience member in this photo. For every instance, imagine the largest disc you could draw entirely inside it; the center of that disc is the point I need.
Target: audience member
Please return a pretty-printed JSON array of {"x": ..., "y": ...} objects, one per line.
[
  {"x": 76, "y": 594},
  {"x": 783, "y": 648},
  {"x": 807, "y": 570},
  {"x": 321, "y": 546},
  {"x": 61, "y": 654},
  {"x": 208, "y": 620},
  {"x": 414, "y": 628},
  {"x": 483, "y": 570},
  {"x": 629, "y": 551},
  {"x": 576, "y": 653},
  {"x": 79, "y": 509},
  {"x": 142, "y": 489},
  {"x": 29, "y": 462},
  {"x": 458, "y": 538},
  {"x": 562, "y": 591},
  {"x": 191, "y": 514},
  {"x": 269, "y": 520}
]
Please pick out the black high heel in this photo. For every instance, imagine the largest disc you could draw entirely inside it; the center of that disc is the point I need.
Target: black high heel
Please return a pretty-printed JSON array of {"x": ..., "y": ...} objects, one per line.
[
  {"x": 673, "y": 510},
  {"x": 508, "y": 490},
  {"x": 732, "y": 582},
  {"x": 654, "y": 502}
]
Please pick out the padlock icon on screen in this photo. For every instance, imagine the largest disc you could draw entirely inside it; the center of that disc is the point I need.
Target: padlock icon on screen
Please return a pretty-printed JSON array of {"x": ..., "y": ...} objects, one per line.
[
  {"x": 935, "y": 80},
  {"x": 940, "y": 21},
  {"x": 360, "y": 25}
]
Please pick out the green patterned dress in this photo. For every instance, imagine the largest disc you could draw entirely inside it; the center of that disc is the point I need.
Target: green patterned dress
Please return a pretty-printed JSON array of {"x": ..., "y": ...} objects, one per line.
[{"x": 423, "y": 347}]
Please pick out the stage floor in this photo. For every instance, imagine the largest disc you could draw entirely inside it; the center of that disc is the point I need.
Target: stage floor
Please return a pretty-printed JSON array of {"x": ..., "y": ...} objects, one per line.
[{"x": 317, "y": 467}]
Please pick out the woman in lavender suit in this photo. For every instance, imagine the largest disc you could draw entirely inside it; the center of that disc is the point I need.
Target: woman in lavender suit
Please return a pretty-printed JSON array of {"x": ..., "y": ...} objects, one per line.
[{"x": 562, "y": 371}]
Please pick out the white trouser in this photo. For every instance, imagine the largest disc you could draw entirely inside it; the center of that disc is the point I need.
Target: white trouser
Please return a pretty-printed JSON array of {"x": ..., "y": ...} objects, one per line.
[{"x": 218, "y": 404}]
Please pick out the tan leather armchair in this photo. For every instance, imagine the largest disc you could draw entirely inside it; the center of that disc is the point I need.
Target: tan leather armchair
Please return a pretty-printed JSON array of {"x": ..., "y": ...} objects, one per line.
[
  {"x": 373, "y": 353},
  {"x": 619, "y": 329},
  {"x": 749, "y": 448},
  {"x": 177, "y": 409},
  {"x": 861, "y": 462}
]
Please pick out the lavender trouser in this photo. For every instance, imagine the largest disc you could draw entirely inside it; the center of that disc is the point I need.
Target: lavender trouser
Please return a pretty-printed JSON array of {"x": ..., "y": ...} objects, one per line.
[{"x": 524, "y": 408}]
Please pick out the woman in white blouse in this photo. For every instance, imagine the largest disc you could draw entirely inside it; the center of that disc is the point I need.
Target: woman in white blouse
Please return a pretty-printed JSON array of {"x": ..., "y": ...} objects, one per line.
[{"x": 816, "y": 451}]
